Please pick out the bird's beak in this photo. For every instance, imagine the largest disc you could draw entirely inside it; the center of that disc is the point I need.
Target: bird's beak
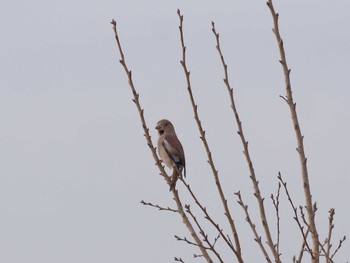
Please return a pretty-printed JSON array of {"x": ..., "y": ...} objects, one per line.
[{"x": 159, "y": 127}]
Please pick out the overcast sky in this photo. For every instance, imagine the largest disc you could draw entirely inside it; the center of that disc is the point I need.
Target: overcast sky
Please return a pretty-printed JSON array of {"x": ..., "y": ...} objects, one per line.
[{"x": 74, "y": 164}]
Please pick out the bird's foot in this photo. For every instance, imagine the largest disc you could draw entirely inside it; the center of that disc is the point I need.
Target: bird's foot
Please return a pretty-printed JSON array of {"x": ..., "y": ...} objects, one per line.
[{"x": 158, "y": 162}]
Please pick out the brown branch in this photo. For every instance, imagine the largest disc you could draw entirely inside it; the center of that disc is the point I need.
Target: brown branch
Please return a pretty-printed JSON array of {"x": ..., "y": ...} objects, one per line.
[
  {"x": 216, "y": 239},
  {"x": 209, "y": 218},
  {"x": 159, "y": 207},
  {"x": 252, "y": 226},
  {"x": 204, "y": 140},
  {"x": 299, "y": 137},
  {"x": 184, "y": 239},
  {"x": 301, "y": 253},
  {"x": 276, "y": 203},
  {"x": 330, "y": 230},
  {"x": 179, "y": 260},
  {"x": 153, "y": 149},
  {"x": 257, "y": 193},
  {"x": 204, "y": 235},
  {"x": 138, "y": 105},
  {"x": 339, "y": 246},
  {"x": 295, "y": 211}
]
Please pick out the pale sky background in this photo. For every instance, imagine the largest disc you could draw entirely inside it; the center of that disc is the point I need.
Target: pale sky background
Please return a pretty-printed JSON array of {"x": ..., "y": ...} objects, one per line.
[{"x": 74, "y": 164}]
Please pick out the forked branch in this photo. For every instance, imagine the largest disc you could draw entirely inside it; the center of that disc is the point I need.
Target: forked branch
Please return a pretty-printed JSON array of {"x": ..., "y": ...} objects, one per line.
[
  {"x": 206, "y": 145},
  {"x": 257, "y": 193},
  {"x": 253, "y": 227},
  {"x": 299, "y": 137},
  {"x": 180, "y": 209}
]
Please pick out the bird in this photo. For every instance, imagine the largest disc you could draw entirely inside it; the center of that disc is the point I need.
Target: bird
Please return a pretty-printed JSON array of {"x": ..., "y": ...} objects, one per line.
[{"x": 170, "y": 150}]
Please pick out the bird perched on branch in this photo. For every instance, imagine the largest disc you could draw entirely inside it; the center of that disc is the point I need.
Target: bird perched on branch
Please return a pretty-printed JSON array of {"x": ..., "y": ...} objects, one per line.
[{"x": 170, "y": 150}]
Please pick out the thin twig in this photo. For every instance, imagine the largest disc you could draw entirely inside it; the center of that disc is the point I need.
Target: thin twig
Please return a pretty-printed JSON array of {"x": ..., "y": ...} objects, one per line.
[
  {"x": 330, "y": 230},
  {"x": 257, "y": 193},
  {"x": 179, "y": 260},
  {"x": 153, "y": 149},
  {"x": 159, "y": 207},
  {"x": 295, "y": 211},
  {"x": 138, "y": 105},
  {"x": 209, "y": 218},
  {"x": 302, "y": 250},
  {"x": 216, "y": 239},
  {"x": 184, "y": 239},
  {"x": 299, "y": 136},
  {"x": 339, "y": 246},
  {"x": 276, "y": 203},
  {"x": 252, "y": 226},
  {"x": 204, "y": 235},
  {"x": 204, "y": 140}
]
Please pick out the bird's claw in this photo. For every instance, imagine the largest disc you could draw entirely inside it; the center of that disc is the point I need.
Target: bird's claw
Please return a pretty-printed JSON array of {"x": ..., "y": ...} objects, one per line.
[{"x": 158, "y": 162}]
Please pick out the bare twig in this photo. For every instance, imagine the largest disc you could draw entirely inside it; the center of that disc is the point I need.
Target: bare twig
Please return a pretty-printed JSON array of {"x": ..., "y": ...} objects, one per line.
[
  {"x": 204, "y": 140},
  {"x": 257, "y": 193},
  {"x": 159, "y": 207},
  {"x": 204, "y": 235},
  {"x": 330, "y": 230},
  {"x": 299, "y": 137},
  {"x": 153, "y": 149},
  {"x": 276, "y": 203},
  {"x": 295, "y": 211},
  {"x": 184, "y": 239},
  {"x": 302, "y": 250},
  {"x": 179, "y": 260},
  {"x": 252, "y": 226},
  {"x": 138, "y": 105},
  {"x": 339, "y": 246},
  {"x": 209, "y": 218},
  {"x": 216, "y": 239}
]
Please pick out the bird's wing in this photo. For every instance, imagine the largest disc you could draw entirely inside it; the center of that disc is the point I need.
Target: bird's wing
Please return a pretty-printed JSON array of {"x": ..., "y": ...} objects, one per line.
[{"x": 174, "y": 149}]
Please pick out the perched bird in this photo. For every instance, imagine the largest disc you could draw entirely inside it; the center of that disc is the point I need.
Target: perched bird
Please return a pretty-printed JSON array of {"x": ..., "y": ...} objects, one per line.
[{"x": 170, "y": 150}]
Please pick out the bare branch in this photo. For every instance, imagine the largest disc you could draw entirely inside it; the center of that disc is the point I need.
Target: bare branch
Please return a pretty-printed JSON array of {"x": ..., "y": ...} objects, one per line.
[
  {"x": 153, "y": 149},
  {"x": 299, "y": 136},
  {"x": 295, "y": 211},
  {"x": 257, "y": 193},
  {"x": 184, "y": 239},
  {"x": 204, "y": 235},
  {"x": 209, "y": 218},
  {"x": 276, "y": 202},
  {"x": 138, "y": 105},
  {"x": 302, "y": 250},
  {"x": 179, "y": 260},
  {"x": 159, "y": 207},
  {"x": 216, "y": 239},
  {"x": 330, "y": 229},
  {"x": 253, "y": 227},
  {"x": 339, "y": 246},
  {"x": 206, "y": 145}
]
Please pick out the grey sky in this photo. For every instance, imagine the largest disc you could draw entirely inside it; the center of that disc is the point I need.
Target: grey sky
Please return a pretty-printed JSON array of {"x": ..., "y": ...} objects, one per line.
[{"x": 74, "y": 164}]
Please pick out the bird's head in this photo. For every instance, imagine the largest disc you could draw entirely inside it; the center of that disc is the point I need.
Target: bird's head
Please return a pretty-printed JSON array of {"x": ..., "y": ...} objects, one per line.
[{"x": 165, "y": 126}]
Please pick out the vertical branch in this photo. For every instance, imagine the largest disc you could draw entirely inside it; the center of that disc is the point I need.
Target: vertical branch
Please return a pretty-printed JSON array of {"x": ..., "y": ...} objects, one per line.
[
  {"x": 204, "y": 140},
  {"x": 296, "y": 218},
  {"x": 209, "y": 218},
  {"x": 179, "y": 205},
  {"x": 257, "y": 193},
  {"x": 341, "y": 241},
  {"x": 299, "y": 137},
  {"x": 252, "y": 226},
  {"x": 276, "y": 203},
  {"x": 330, "y": 229},
  {"x": 138, "y": 105},
  {"x": 211, "y": 246},
  {"x": 301, "y": 253}
]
